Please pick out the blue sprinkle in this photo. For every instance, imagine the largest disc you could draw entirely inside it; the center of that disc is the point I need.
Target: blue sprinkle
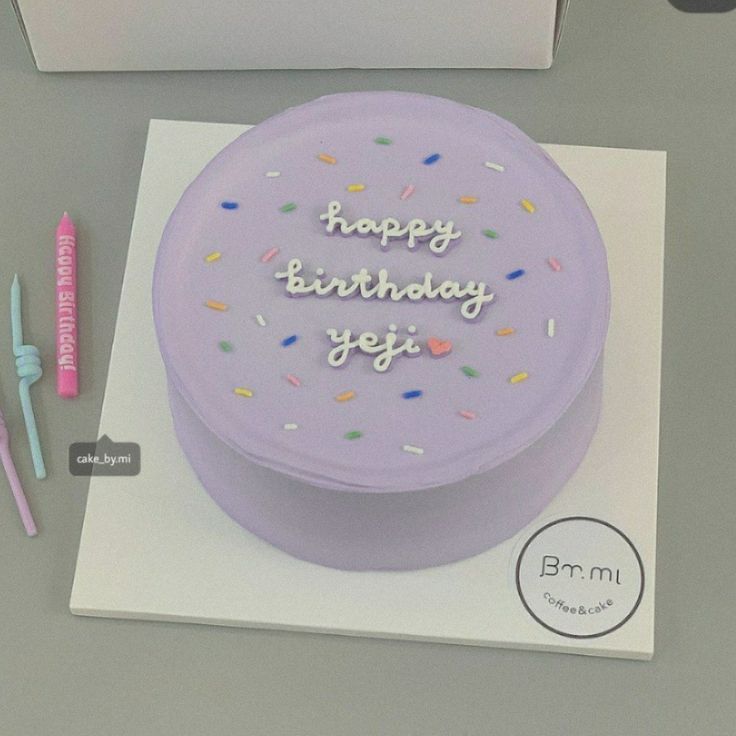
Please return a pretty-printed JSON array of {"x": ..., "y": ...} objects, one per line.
[
  {"x": 415, "y": 394},
  {"x": 515, "y": 274},
  {"x": 433, "y": 159},
  {"x": 229, "y": 205},
  {"x": 289, "y": 340}
]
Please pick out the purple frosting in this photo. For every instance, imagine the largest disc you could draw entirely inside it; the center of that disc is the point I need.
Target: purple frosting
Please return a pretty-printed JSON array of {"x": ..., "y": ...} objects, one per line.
[{"x": 526, "y": 232}]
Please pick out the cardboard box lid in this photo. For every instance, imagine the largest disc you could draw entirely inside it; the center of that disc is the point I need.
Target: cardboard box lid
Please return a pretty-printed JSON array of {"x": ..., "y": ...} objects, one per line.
[{"x": 106, "y": 35}]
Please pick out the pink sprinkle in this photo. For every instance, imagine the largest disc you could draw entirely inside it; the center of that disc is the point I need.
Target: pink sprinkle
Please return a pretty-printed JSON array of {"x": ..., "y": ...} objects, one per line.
[
  {"x": 408, "y": 192},
  {"x": 554, "y": 263},
  {"x": 293, "y": 380},
  {"x": 268, "y": 255},
  {"x": 468, "y": 414}
]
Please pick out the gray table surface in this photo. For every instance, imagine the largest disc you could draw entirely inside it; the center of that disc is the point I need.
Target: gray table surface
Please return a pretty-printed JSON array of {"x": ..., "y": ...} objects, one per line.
[{"x": 629, "y": 74}]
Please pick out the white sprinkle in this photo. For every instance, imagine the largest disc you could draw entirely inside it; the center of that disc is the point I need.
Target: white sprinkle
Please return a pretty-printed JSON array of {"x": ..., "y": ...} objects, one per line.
[
  {"x": 273, "y": 174},
  {"x": 411, "y": 329},
  {"x": 550, "y": 327},
  {"x": 260, "y": 320},
  {"x": 320, "y": 272},
  {"x": 392, "y": 327},
  {"x": 413, "y": 450},
  {"x": 290, "y": 427},
  {"x": 495, "y": 167}
]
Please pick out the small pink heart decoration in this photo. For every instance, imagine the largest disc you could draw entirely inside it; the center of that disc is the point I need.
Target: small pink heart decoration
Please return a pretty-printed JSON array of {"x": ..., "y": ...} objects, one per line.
[{"x": 439, "y": 347}]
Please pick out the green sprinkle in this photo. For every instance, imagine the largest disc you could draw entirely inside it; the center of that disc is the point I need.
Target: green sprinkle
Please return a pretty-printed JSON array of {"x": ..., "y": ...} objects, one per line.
[
  {"x": 225, "y": 346},
  {"x": 353, "y": 435},
  {"x": 490, "y": 233},
  {"x": 470, "y": 372},
  {"x": 288, "y": 207},
  {"x": 383, "y": 141}
]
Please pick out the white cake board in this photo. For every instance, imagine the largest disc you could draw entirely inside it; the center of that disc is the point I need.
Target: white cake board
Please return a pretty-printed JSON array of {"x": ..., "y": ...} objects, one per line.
[{"x": 156, "y": 547}]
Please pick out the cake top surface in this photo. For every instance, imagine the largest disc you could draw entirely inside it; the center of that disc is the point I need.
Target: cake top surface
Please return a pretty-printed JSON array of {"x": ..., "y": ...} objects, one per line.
[{"x": 381, "y": 292}]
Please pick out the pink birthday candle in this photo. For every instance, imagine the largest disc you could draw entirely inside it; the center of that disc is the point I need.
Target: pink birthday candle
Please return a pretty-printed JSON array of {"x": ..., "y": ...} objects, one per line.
[
  {"x": 20, "y": 498},
  {"x": 67, "y": 347}
]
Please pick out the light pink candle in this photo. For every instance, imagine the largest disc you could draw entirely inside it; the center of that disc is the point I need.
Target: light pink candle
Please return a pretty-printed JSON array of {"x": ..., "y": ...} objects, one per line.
[{"x": 67, "y": 347}]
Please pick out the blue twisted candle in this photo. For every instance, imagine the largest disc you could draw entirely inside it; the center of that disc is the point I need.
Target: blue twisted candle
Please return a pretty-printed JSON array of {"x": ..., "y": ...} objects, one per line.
[{"x": 28, "y": 368}]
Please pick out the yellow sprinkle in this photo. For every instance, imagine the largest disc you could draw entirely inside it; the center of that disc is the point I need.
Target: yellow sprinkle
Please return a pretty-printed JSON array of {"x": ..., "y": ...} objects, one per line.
[
  {"x": 345, "y": 396},
  {"x": 528, "y": 206},
  {"x": 468, "y": 200},
  {"x": 505, "y": 331},
  {"x": 219, "y": 306},
  {"x": 214, "y": 256},
  {"x": 519, "y": 377},
  {"x": 356, "y": 187},
  {"x": 240, "y": 391},
  {"x": 327, "y": 158}
]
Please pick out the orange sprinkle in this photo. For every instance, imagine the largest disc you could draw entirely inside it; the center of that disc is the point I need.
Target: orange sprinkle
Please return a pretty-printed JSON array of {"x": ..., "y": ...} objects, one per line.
[
  {"x": 219, "y": 306},
  {"x": 345, "y": 396},
  {"x": 528, "y": 206},
  {"x": 327, "y": 158},
  {"x": 468, "y": 200},
  {"x": 356, "y": 187},
  {"x": 505, "y": 331},
  {"x": 519, "y": 377}
]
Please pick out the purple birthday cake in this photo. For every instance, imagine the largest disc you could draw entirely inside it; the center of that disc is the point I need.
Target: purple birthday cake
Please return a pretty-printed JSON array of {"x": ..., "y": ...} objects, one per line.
[{"x": 382, "y": 318}]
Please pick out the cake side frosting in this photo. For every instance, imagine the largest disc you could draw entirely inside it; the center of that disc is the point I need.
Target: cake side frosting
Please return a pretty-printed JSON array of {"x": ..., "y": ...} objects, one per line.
[{"x": 381, "y": 292}]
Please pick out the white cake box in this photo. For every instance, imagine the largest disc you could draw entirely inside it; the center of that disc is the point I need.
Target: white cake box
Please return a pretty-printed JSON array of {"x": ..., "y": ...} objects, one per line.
[{"x": 109, "y": 35}]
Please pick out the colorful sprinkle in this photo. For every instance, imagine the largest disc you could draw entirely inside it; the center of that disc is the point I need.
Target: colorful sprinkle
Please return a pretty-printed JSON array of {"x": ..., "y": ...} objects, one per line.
[
  {"x": 515, "y": 274},
  {"x": 214, "y": 256},
  {"x": 413, "y": 394},
  {"x": 273, "y": 174},
  {"x": 225, "y": 346},
  {"x": 528, "y": 206},
  {"x": 505, "y": 331},
  {"x": 240, "y": 391},
  {"x": 519, "y": 377},
  {"x": 219, "y": 306},
  {"x": 468, "y": 200},
  {"x": 291, "y": 427},
  {"x": 550, "y": 327},
  {"x": 326, "y": 158},
  {"x": 470, "y": 372},
  {"x": 293, "y": 380},
  {"x": 345, "y": 396},
  {"x": 408, "y": 191},
  {"x": 495, "y": 167},
  {"x": 490, "y": 233},
  {"x": 268, "y": 255},
  {"x": 288, "y": 207},
  {"x": 229, "y": 205},
  {"x": 554, "y": 264},
  {"x": 260, "y": 320},
  {"x": 289, "y": 341},
  {"x": 356, "y": 187},
  {"x": 354, "y": 435},
  {"x": 413, "y": 450},
  {"x": 438, "y": 347},
  {"x": 383, "y": 141},
  {"x": 433, "y": 159},
  {"x": 465, "y": 414}
]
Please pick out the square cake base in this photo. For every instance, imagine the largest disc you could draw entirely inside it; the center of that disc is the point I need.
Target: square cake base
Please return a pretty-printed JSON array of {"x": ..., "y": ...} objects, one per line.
[{"x": 156, "y": 547}]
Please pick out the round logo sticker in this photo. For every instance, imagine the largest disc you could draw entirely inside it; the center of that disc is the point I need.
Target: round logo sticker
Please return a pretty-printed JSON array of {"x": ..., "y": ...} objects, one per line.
[{"x": 580, "y": 577}]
